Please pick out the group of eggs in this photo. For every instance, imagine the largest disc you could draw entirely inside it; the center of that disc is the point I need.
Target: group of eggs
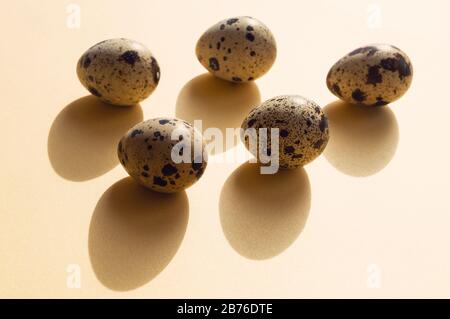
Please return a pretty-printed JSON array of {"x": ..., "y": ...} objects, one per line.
[{"x": 124, "y": 72}]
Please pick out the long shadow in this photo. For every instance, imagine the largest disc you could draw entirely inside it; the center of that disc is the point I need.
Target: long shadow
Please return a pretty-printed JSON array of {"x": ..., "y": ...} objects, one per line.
[
  {"x": 262, "y": 215},
  {"x": 219, "y": 104},
  {"x": 82, "y": 142},
  {"x": 363, "y": 140},
  {"x": 135, "y": 233}
]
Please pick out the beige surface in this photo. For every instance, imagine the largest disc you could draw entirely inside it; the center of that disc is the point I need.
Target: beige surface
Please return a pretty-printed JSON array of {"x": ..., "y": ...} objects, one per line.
[{"x": 377, "y": 203}]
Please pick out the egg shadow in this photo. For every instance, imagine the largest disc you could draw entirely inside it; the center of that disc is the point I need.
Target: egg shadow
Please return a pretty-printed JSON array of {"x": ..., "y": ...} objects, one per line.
[
  {"x": 262, "y": 215},
  {"x": 134, "y": 233},
  {"x": 363, "y": 140},
  {"x": 218, "y": 103},
  {"x": 82, "y": 142}
]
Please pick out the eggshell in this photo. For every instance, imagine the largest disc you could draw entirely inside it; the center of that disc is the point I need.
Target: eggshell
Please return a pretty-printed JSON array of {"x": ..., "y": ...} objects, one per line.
[
  {"x": 237, "y": 49},
  {"x": 373, "y": 75},
  {"x": 303, "y": 128},
  {"x": 119, "y": 71},
  {"x": 145, "y": 152}
]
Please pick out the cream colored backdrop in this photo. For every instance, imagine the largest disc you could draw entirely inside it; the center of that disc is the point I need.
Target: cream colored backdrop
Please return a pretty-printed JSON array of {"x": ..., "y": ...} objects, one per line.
[{"x": 370, "y": 218}]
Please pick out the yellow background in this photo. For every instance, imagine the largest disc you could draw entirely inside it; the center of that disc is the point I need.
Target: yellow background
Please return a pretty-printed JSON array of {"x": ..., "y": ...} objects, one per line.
[{"x": 376, "y": 203}]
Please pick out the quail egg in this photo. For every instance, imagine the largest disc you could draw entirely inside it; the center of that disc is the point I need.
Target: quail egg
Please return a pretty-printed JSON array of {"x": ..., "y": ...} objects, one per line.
[
  {"x": 373, "y": 75},
  {"x": 163, "y": 154},
  {"x": 303, "y": 129},
  {"x": 238, "y": 49},
  {"x": 119, "y": 71}
]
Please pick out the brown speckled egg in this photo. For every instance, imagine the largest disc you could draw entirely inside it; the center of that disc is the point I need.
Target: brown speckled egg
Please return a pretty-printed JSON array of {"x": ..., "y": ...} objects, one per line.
[
  {"x": 151, "y": 152},
  {"x": 238, "y": 49},
  {"x": 119, "y": 71},
  {"x": 303, "y": 128},
  {"x": 373, "y": 75}
]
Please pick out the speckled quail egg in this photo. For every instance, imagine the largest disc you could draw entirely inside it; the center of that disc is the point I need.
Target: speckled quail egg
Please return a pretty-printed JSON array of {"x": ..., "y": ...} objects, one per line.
[
  {"x": 163, "y": 154},
  {"x": 373, "y": 75},
  {"x": 119, "y": 71},
  {"x": 303, "y": 128},
  {"x": 238, "y": 49}
]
